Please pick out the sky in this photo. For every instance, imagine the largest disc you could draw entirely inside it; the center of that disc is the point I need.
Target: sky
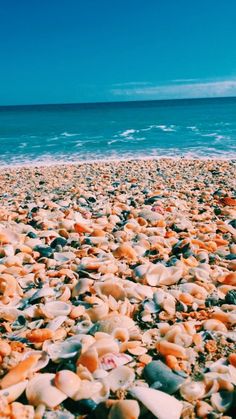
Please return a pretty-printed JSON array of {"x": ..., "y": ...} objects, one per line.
[{"x": 69, "y": 51}]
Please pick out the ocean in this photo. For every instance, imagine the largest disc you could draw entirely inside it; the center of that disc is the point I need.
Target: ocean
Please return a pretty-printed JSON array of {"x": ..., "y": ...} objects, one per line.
[{"x": 189, "y": 128}]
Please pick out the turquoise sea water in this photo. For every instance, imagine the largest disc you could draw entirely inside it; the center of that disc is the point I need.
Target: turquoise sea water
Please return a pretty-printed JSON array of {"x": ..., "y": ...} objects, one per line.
[{"x": 66, "y": 133}]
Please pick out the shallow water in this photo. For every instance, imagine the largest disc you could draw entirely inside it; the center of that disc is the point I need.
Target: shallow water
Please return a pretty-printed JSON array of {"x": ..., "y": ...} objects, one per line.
[{"x": 202, "y": 128}]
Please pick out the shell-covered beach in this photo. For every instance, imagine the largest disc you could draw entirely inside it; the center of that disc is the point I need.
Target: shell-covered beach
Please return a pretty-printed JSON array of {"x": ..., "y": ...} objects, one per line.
[{"x": 118, "y": 290}]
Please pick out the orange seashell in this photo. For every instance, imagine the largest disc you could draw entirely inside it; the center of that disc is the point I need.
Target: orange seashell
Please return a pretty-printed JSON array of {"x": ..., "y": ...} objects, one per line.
[
  {"x": 98, "y": 232},
  {"x": 82, "y": 228},
  {"x": 167, "y": 348},
  {"x": 186, "y": 298},
  {"x": 172, "y": 362},
  {"x": 228, "y": 201},
  {"x": 230, "y": 279},
  {"x": 126, "y": 251},
  {"x": 39, "y": 335},
  {"x": 20, "y": 372},
  {"x": 232, "y": 359},
  {"x": 89, "y": 359}
]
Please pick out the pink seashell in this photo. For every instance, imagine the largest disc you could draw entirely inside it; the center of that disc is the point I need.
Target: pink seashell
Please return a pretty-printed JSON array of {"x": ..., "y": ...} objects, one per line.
[{"x": 110, "y": 361}]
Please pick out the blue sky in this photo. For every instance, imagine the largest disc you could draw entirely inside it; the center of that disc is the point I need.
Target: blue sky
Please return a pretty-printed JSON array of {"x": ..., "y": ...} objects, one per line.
[{"x": 57, "y": 51}]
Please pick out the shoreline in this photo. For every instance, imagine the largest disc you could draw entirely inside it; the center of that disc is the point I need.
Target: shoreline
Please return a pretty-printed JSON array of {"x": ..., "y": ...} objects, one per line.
[{"x": 108, "y": 161}]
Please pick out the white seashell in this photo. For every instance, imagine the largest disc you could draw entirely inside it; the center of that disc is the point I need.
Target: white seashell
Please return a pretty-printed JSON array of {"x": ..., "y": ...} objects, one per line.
[
  {"x": 13, "y": 392},
  {"x": 120, "y": 378},
  {"x": 111, "y": 360},
  {"x": 9, "y": 313},
  {"x": 192, "y": 390},
  {"x": 89, "y": 390},
  {"x": 56, "y": 308},
  {"x": 63, "y": 350},
  {"x": 43, "y": 292},
  {"x": 222, "y": 401},
  {"x": 41, "y": 390},
  {"x": 81, "y": 287},
  {"x": 56, "y": 323},
  {"x": 68, "y": 382},
  {"x": 160, "y": 404}
]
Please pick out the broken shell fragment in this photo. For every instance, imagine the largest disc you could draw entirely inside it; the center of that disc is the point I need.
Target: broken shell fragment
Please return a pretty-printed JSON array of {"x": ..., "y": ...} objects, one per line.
[
  {"x": 68, "y": 382},
  {"x": 41, "y": 390},
  {"x": 161, "y": 405},
  {"x": 13, "y": 392},
  {"x": 120, "y": 378}
]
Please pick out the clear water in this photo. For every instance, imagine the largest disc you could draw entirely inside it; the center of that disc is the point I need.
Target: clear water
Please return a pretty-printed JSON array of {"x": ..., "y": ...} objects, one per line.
[{"x": 204, "y": 128}]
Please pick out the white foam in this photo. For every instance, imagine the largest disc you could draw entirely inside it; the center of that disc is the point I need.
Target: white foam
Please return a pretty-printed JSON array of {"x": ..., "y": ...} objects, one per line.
[{"x": 69, "y": 134}]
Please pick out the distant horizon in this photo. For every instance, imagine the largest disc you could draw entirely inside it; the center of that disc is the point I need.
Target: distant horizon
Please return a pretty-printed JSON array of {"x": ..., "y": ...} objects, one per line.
[{"x": 25, "y": 105}]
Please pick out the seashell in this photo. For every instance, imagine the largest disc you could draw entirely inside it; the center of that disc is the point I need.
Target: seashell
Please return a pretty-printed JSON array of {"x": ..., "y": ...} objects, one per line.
[
  {"x": 121, "y": 334},
  {"x": 68, "y": 382},
  {"x": 8, "y": 236},
  {"x": 43, "y": 292},
  {"x": 160, "y": 377},
  {"x": 214, "y": 325},
  {"x": 98, "y": 311},
  {"x": 160, "y": 404},
  {"x": 81, "y": 287},
  {"x": 9, "y": 286},
  {"x": 39, "y": 335},
  {"x": 41, "y": 390},
  {"x": 110, "y": 288},
  {"x": 111, "y": 360},
  {"x": 89, "y": 359},
  {"x": 192, "y": 390},
  {"x": 167, "y": 348},
  {"x": 231, "y": 359},
  {"x": 82, "y": 227},
  {"x": 126, "y": 251},
  {"x": 106, "y": 345},
  {"x": 56, "y": 323},
  {"x": 114, "y": 321},
  {"x": 5, "y": 348},
  {"x": 9, "y": 313},
  {"x": 124, "y": 409},
  {"x": 56, "y": 308},
  {"x": 120, "y": 378},
  {"x": 20, "y": 372},
  {"x": 95, "y": 390},
  {"x": 13, "y": 392},
  {"x": 69, "y": 348},
  {"x": 43, "y": 359},
  {"x": 222, "y": 401},
  {"x": 82, "y": 327},
  {"x": 230, "y": 279},
  {"x": 203, "y": 409}
]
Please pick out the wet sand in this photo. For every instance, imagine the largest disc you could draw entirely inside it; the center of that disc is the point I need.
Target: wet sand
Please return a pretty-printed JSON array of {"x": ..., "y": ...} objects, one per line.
[{"x": 118, "y": 290}]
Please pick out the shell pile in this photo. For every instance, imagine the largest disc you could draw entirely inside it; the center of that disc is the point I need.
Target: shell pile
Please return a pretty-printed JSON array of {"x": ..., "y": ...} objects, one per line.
[{"x": 118, "y": 291}]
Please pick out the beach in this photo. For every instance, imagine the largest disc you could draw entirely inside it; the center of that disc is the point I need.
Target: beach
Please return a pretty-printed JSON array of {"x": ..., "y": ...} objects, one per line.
[{"x": 118, "y": 290}]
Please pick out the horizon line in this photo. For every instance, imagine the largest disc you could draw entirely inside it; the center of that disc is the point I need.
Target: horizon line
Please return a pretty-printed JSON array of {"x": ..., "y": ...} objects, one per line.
[{"x": 116, "y": 102}]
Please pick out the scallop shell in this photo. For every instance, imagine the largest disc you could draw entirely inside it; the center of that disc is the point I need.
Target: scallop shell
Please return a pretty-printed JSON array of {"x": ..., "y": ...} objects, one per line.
[
  {"x": 113, "y": 321},
  {"x": 160, "y": 404},
  {"x": 41, "y": 390}
]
